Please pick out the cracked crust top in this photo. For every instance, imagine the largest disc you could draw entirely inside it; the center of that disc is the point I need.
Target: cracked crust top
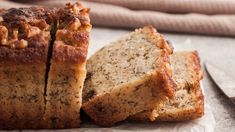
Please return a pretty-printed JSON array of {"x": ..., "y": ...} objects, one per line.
[{"x": 25, "y": 34}]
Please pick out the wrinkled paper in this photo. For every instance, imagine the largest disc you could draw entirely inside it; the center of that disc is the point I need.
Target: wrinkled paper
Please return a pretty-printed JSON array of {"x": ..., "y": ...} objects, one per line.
[{"x": 204, "y": 124}]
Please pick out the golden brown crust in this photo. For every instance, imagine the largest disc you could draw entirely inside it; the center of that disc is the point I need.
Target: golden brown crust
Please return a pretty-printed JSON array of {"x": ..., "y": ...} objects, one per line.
[
  {"x": 35, "y": 53},
  {"x": 72, "y": 37},
  {"x": 14, "y": 16},
  {"x": 158, "y": 39},
  {"x": 165, "y": 72},
  {"x": 167, "y": 84},
  {"x": 68, "y": 54},
  {"x": 196, "y": 64},
  {"x": 200, "y": 103},
  {"x": 24, "y": 37},
  {"x": 70, "y": 13},
  {"x": 39, "y": 17}
]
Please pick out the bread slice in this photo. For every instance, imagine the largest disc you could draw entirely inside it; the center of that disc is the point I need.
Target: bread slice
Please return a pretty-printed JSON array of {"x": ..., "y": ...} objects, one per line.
[
  {"x": 188, "y": 102},
  {"x": 128, "y": 76},
  {"x": 24, "y": 42},
  {"x": 67, "y": 70}
]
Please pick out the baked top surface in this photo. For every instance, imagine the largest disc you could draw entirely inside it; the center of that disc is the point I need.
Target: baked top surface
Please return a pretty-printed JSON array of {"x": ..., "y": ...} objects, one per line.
[
  {"x": 24, "y": 30},
  {"x": 72, "y": 35},
  {"x": 24, "y": 35},
  {"x": 24, "y": 23}
]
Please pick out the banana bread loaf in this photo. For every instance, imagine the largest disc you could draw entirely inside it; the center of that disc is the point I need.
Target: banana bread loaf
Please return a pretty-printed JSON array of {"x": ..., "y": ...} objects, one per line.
[
  {"x": 128, "y": 76},
  {"x": 188, "y": 102},
  {"x": 42, "y": 66}
]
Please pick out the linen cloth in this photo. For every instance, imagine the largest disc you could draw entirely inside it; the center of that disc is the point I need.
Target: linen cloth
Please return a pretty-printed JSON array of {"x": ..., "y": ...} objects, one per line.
[{"x": 210, "y": 17}]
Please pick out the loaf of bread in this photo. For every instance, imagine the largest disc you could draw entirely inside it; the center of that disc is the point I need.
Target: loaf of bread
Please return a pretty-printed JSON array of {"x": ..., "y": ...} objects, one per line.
[
  {"x": 67, "y": 69},
  {"x": 128, "y": 76},
  {"x": 42, "y": 66},
  {"x": 24, "y": 42},
  {"x": 188, "y": 102}
]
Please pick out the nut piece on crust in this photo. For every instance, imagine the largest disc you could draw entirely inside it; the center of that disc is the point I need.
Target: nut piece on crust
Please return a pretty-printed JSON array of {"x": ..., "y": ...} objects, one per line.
[
  {"x": 23, "y": 44},
  {"x": 26, "y": 24},
  {"x": 3, "y": 35}
]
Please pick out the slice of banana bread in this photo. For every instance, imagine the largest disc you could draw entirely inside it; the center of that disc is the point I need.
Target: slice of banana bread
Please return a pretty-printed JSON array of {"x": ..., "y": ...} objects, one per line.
[
  {"x": 128, "y": 76},
  {"x": 24, "y": 41},
  {"x": 188, "y": 102},
  {"x": 67, "y": 70}
]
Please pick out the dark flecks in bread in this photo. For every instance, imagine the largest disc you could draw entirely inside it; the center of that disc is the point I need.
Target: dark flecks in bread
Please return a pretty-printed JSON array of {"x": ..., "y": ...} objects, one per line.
[
  {"x": 126, "y": 77},
  {"x": 24, "y": 43},
  {"x": 188, "y": 103},
  {"x": 67, "y": 70}
]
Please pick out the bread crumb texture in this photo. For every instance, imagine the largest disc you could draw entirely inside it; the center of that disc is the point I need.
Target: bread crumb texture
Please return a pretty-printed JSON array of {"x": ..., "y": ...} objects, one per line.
[
  {"x": 126, "y": 77},
  {"x": 188, "y": 102}
]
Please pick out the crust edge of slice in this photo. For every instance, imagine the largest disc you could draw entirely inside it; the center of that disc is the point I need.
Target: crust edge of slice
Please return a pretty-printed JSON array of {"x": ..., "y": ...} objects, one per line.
[{"x": 184, "y": 114}]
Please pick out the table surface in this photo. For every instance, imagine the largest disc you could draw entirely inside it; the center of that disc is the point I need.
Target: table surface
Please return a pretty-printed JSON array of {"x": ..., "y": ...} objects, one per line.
[{"x": 218, "y": 50}]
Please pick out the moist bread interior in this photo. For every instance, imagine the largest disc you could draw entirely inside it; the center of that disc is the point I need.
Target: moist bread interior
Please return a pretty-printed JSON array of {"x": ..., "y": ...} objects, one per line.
[{"x": 127, "y": 62}]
